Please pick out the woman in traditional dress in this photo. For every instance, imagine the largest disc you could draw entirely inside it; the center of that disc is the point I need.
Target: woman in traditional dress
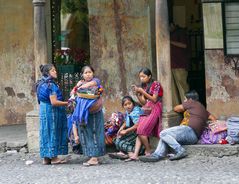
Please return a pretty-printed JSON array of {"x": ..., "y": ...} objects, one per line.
[
  {"x": 150, "y": 96},
  {"x": 53, "y": 123},
  {"x": 89, "y": 118}
]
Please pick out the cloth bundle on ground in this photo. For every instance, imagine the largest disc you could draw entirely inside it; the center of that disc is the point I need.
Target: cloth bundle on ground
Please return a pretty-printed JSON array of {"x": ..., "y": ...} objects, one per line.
[
  {"x": 112, "y": 126},
  {"x": 218, "y": 126},
  {"x": 233, "y": 130},
  {"x": 214, "y": 133},
  {"x": 208, "y": 137}
]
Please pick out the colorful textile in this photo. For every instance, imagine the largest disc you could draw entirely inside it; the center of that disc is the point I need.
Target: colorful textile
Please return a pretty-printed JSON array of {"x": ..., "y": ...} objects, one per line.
[
  {"x": 133, "y": 116},
  {"x": 185, "y": 120},
  {"x": 152, "y": 124},
  {"x": 46, "y": 87},
  {"x": 208, "y": 137},
  {"x": 81, "y": 112},
  {"x": 92, "y": 135},
  {"x": 155, "y": 88},
  {"x": 126, "y": 143},
  {"x": 52, "y": 131},
  {"x": 112, "y": 126},
  {"x": 233, "y": 129}
]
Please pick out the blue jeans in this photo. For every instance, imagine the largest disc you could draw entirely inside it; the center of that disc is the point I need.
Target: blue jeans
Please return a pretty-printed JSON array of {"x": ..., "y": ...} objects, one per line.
[{"x": 173, "y": 137}]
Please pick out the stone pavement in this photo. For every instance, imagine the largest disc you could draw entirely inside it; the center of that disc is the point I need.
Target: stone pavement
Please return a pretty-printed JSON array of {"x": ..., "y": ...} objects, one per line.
[
  {"x": 205, "y": 164},
  {"x": 193, "y": 169},
  {"x": 13, "y": 137}
]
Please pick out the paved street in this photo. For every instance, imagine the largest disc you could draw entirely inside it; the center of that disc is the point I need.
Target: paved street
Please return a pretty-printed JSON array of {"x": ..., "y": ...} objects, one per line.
[{"x": 13, "y": 170}]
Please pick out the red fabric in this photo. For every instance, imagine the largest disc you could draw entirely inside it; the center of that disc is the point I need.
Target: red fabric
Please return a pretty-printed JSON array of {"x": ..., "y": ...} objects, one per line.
[
  {"x": 151, "y": 125},
  {"x": 156, "y": 88}
]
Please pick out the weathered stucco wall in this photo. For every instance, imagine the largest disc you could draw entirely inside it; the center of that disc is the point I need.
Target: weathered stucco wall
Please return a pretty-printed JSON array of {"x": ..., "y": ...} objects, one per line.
[
  {"x": 221, "y": 85},
  {"x": 119, "y": 45},
  {"x": 16, "y": 60}
]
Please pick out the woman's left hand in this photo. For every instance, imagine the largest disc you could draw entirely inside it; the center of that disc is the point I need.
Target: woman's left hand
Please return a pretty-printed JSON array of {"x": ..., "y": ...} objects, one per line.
[
  {"x": 139, "y": 90},
  {"x": 123, "y": 132}
]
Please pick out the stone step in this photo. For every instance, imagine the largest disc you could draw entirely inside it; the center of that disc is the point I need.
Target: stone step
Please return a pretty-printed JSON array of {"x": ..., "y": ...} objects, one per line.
[{"x": 214, "y": 150}]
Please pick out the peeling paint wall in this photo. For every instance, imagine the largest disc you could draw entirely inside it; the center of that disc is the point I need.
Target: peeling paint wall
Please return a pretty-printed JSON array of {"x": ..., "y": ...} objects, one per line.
[
  {"x": 16, "y": 60},
  {"x": 120, "y": 45},
  {"x": 221, "y": 85}
]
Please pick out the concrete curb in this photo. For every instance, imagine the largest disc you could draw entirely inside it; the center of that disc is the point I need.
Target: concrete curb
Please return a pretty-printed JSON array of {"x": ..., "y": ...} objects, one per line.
[{"x": 214, "y": 150}]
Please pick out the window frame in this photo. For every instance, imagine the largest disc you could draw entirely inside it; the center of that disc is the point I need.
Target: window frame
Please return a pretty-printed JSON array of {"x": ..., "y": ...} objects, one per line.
[{"x": 223, "y": 4}]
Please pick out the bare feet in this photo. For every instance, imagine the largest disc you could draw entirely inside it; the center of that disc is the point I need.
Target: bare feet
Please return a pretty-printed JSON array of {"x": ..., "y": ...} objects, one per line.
[
  {"x": 57, "y": 160},
  {"x": 92, "y": 162}
]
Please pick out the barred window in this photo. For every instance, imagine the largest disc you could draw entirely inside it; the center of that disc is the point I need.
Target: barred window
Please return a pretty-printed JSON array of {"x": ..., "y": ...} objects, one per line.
[{"x": 231, "y": 28}]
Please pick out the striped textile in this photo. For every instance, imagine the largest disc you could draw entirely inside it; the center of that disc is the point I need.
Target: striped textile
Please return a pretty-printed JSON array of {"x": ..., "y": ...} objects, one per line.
[
  {"x": 92, "y": 135},
  {"x": 52, "y": 131},
  {"x": 151, "y": 125},
  {"x": 126, "y": 143}
]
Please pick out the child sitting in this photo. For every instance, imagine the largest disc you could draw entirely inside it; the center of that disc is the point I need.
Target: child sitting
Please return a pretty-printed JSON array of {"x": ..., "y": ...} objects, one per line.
[{"x": 126, "y": 136}]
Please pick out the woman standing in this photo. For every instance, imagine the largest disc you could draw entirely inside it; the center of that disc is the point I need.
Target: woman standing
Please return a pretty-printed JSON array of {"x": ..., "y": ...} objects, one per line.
[
  {"x": 53, "y": 123},
  {"x": 91, "y": 129},
  {"x": 150, "y": 96}
]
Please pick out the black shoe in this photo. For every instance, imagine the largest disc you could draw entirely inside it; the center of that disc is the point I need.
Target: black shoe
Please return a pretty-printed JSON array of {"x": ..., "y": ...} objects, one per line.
[
  {"x": 150, "y": 158},
  {"x": 178, "y": 156}
]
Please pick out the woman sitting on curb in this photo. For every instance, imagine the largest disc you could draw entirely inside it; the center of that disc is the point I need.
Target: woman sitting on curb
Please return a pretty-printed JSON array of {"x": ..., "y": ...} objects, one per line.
[{"x": 176, "y": 136}]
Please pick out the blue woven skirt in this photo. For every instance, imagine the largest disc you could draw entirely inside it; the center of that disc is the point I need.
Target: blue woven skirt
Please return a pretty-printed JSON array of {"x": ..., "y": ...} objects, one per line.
[
  {"x": 52, "y": 131},
  {"x": 92, "y": 135}
]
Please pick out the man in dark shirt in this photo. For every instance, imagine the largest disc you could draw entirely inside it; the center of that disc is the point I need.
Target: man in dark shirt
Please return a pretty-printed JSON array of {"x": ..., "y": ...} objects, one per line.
[
  {"x": 177, "y": 136},
  {"x": 179, "y": 51}
]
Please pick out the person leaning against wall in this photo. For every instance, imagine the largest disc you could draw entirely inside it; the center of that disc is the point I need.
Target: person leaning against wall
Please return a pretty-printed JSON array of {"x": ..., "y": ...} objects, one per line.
[
  {"x": 179, "y": 51},
  {"x": 53, "y": 122}
]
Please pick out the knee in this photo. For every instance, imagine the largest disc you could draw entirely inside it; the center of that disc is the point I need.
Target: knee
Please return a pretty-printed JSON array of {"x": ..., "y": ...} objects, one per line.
[{"x": 163, "y": 134}]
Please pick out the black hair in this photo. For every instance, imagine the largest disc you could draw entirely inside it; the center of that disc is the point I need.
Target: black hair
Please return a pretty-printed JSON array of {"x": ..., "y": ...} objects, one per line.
[
  {"x": 127, "y": 98},
  {"x": 192, "y": 94},
  {"x": 147, "y": 72},
  {"x": 45, "y": 69},
  {"x": 83, "y": 69}
]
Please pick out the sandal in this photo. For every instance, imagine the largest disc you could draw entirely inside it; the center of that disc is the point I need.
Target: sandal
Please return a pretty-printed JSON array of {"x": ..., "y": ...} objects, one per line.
[
  {"x": 88, "y": 164},
  {"x": 58, "y": 161},
  {"x": 118, "y": 156},
  {"x": 132, "y": 159}
]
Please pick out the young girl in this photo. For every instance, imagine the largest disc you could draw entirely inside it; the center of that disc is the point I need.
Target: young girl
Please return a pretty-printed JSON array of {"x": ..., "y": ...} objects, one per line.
[
  {"x": 89, "y": 119},
  {"x": 150, "y": 96},
  {"x": 125, "y": 141}
]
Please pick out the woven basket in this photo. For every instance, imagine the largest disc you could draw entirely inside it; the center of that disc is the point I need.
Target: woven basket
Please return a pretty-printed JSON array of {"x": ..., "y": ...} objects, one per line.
[{"x": 88, "y": 96}]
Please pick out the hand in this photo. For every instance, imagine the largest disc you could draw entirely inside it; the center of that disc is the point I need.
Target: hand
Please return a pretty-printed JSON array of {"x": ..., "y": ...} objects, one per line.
[
  {"x": 79, "y": 83},
  {"x": 118, "y": 133},
  {"x": 133, "y": 88},
  {"x": 123, "y": 132}
]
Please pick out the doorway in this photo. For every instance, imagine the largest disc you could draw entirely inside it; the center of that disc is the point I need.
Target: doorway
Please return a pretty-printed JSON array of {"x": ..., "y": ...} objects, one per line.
[{"x": 188, "y": 16}]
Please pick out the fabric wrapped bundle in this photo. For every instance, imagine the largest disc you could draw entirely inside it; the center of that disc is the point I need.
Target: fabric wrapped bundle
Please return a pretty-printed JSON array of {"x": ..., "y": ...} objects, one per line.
[{"x": 233, "y": 130}]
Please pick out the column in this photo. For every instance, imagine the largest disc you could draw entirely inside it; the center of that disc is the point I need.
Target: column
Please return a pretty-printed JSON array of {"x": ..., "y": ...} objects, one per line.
[
  {"x": 40, "y": 57},
  {"x": 170, "y": 118},
  {"x": 40, "y": 43}
]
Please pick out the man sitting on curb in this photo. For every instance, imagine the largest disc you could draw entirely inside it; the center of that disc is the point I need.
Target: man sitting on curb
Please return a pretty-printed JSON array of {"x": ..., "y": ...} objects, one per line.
[{"x": 175, "y": 136}]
